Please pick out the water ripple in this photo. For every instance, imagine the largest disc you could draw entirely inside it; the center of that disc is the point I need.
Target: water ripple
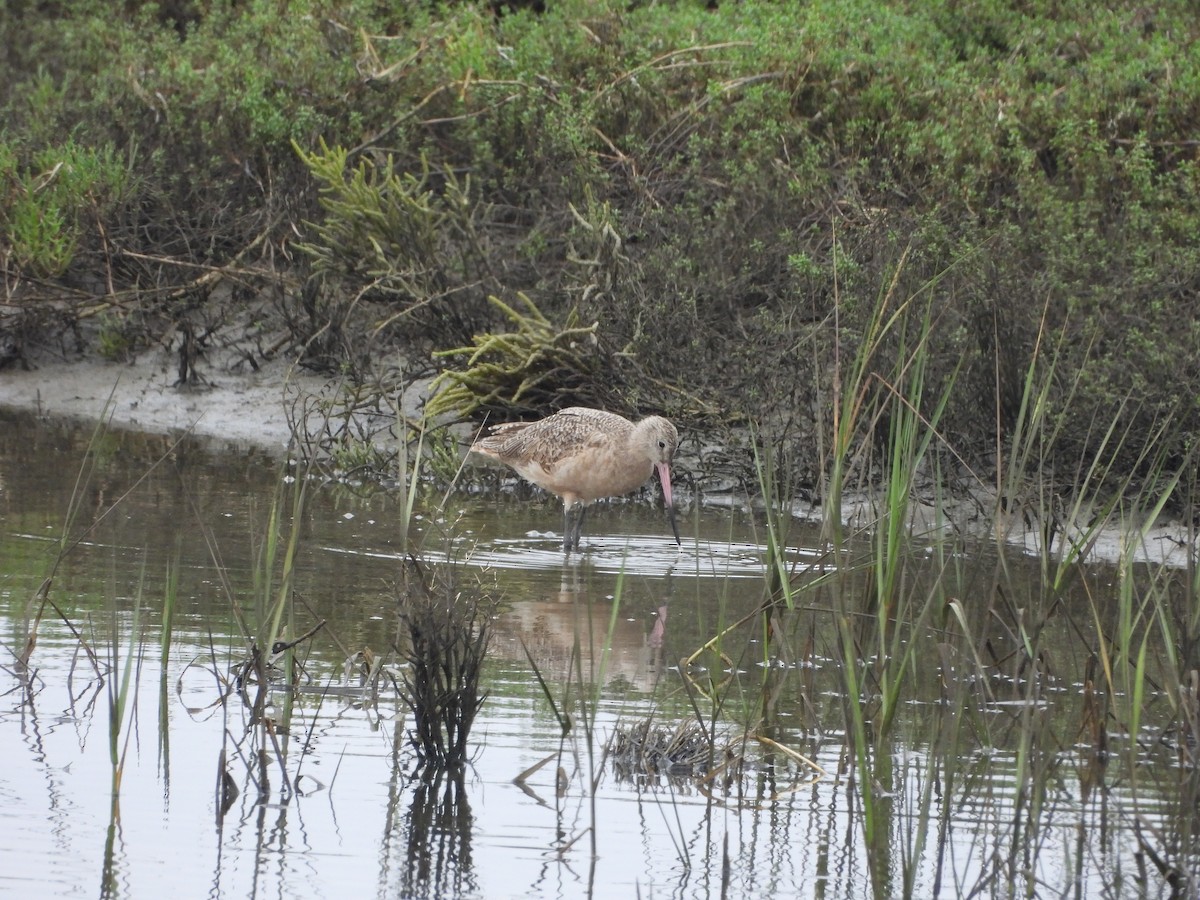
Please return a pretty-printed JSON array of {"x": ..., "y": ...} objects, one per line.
[{"x": 631, "y": 554}]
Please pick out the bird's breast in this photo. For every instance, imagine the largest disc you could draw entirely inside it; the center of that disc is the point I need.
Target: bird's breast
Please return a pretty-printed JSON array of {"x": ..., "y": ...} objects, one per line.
[{"x": 586, "y": 477}]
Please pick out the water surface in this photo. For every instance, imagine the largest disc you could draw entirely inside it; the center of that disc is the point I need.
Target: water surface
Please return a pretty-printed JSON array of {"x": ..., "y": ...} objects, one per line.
[{"x": 616, "y": 623}]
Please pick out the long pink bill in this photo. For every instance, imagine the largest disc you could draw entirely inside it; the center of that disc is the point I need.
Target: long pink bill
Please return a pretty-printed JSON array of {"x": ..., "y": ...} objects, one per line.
[{"x": 664, "y": 475}]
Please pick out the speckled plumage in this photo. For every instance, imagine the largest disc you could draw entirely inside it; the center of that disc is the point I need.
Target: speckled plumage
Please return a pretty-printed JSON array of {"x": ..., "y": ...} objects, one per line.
[{"x": 584, "y": 454}]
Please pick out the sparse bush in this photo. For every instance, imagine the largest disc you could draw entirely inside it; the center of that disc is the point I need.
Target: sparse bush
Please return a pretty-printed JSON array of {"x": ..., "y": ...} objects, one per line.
[{"x": 405, "y": 245}]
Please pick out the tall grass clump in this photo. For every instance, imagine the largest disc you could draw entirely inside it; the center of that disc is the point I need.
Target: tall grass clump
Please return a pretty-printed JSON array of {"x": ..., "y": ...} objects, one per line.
[
  {"x": 924, "y": 610},
  {"x": 1067, "y": 516},
  {"x": 271, "y": 658},
  {"x": 444, "y": 636},
  {"x": 883, "y": 608},
  {"x": 269, "y": 668}
]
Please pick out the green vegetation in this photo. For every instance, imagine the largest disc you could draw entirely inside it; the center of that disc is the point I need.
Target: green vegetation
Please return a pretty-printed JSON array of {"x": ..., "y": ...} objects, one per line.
[
  {"x": 724, "y": 191},
  {"x": 50, "y": 199},
  {"x": 533, "y": 368}
]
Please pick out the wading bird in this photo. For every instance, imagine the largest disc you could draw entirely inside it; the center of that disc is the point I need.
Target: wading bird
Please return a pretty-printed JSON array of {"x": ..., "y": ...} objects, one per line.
[{"x": 584, "y": 454}]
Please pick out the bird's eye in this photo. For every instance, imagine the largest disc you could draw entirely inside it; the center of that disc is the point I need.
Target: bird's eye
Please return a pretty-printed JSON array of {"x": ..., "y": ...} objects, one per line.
[{"x": 662, "y": 445}]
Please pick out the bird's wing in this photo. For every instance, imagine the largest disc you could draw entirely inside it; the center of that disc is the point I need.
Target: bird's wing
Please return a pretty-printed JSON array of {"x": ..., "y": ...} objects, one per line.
[
  {"x": 552, "y": 440},
  {"x": 597, "y": 417},
  {"x": 549, "y": 441}
]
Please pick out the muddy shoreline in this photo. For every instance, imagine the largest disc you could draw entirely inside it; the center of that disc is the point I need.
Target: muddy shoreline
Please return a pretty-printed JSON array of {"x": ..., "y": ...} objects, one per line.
[
  {"x": 235, "y": 404},
  {"x": 248, "y": 408}
]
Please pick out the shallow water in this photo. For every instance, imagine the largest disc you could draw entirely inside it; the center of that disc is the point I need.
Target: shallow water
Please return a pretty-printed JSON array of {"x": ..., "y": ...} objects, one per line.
[{"x": 619, "y": 617}]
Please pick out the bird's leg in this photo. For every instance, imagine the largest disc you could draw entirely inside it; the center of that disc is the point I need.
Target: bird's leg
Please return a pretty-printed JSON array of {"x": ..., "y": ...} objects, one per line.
[
  {"x": 568, "y": 526},
  {"x": 579, "y": 523},
  {"x": 573, "y": 514}
]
